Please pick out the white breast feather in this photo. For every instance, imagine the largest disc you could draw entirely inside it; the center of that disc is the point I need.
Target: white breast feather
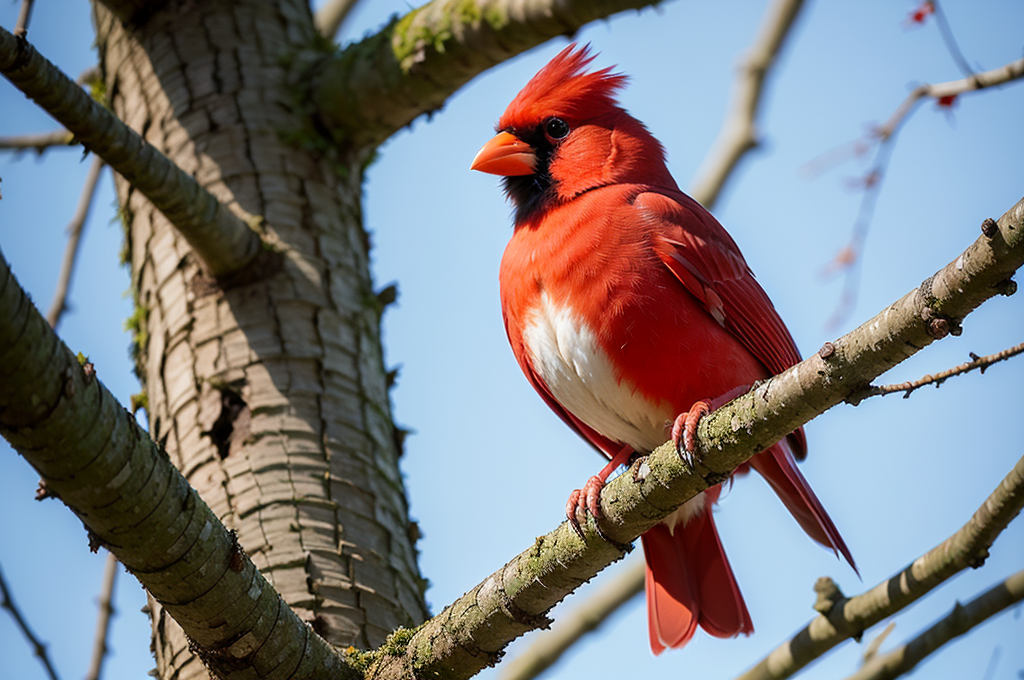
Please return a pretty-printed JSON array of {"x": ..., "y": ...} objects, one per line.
[{"x": 579, "y": 375}]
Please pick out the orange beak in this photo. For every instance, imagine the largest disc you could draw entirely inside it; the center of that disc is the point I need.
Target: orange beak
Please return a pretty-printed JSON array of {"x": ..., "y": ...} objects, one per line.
[{"x": 505, "y": 155}]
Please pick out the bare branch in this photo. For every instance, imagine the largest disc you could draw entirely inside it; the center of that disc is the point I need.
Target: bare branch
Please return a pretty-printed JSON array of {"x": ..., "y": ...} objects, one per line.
[
  {"x": 739, "y": 133},
  {"x": 963, "y": 618},
  {"x": 329, "y": 18},
  {"x": 372, "y": 89},
  {"x": 937, "y": 379},
  {"x": 848, "y": 618},
  {"x": 945, "y": 94},
  {"x": 24, "y": 15},
  {"x": 37, "y": 647},
  {"x": 947, "y": 36},
  {"x": 471, "y": 632},
  {"x": 224, "y": 242},
  {"x": 38, "y": 142},
  {"x": 74, "y": 230},
  {"x": 951, "y": 89},
  {"x": 99, "y": 647}
]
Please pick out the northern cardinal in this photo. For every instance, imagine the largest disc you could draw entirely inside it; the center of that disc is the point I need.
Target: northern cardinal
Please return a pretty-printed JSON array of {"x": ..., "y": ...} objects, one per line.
[{"x": 627, "y": 303}]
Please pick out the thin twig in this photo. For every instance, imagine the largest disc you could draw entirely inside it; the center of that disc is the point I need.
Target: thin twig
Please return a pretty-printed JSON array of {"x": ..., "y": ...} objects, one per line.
[
  {"x": 849, "y": 257},
  {"x": 75, "y": 228},
  {"x": 848, "y": 618},
  {"x": 739, "y": 131},
  {"x": 962, "y": 619},
  {"x": 976, "y": 362},
  {"x": 38, "y": 142},
  {"x": 99, "y": 647},
  {"x": 37, "y": 647},
  {"x": 329, "y": 18},
  {"x": 884, "y": 136},
  {"x": 947, "y": 36},
  {"x": 24, "y": 15}
]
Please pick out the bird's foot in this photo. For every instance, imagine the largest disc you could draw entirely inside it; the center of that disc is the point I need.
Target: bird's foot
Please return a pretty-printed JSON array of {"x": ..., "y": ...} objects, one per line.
[
  {"x": 582, "y": 501},
  {"x": 684, "y": 431}
]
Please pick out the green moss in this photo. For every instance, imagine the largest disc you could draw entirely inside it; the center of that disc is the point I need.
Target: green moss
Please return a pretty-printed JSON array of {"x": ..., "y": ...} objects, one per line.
[
  {"x": 496, "y": 17},
  {"x": 397, "y": 642},
  {"x": 140, "y": 400},
  {"x": 358, "y": 660},
  {"x": 410, "y": 35}
]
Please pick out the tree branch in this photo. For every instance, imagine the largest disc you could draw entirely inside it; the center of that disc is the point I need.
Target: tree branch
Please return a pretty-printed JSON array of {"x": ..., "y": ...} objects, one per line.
[
  {"x": 951, "y": 89},
  {"x": 976, "y": 363},
  {"x": 38, "y": 648},
  {"x": 99, "y": 646},
  {"x": 24, "y": 16},
  {"x": 472, "y": 632},
  {"x": 38, "y": 142},
  {"x": 739, "y": 132},
  {"x": 92, "y": 454},
  {"x": 947, "y": 37},
  {"x": 74, "y": 230},
  {"x": 963, "y": 618},
  {"x": 373, "y": 88},
  {"x": 848, "y": 618},
  {"x": 884, "y": 136},
  {"x": 222, "y": 240}
]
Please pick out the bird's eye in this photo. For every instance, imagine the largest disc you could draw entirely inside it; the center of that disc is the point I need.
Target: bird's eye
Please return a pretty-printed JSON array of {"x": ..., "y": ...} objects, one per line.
[{"x": 556, "y": 128}]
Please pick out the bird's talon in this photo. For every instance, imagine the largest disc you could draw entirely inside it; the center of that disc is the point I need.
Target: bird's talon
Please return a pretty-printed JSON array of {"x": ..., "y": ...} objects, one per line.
[
  {"x": 684, "y": 432},
  {"x": 593, "y": 491}
]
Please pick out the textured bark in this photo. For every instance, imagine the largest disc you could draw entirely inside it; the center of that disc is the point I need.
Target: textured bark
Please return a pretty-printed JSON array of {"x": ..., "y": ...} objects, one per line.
[{"x": 269, "y": 396}]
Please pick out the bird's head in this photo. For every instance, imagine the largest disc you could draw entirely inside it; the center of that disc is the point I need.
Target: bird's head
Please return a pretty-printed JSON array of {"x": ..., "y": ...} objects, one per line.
[{"x": 565, "y": 134}]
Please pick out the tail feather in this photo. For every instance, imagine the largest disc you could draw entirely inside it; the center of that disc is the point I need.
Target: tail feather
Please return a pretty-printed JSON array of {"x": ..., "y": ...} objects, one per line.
[
  {"x": 689, "y": 582},
  {"x": 672, "y": 600},
  {"x": 779, "y": 469}
]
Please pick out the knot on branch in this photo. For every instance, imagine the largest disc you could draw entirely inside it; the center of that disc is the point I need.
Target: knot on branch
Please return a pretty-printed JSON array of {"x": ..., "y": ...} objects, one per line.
[
  {"x": 939, "y": 326},
  {"x": 828, "y": 595},
  {"x": 1006, "y": 287}
]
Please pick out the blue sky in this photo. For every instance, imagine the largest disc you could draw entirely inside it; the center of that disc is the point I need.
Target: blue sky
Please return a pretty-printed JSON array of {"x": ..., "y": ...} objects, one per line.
[{"x": 488, "y": 467}]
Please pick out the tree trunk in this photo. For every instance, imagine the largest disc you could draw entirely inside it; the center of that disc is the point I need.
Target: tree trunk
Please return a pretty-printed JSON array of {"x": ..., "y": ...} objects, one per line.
[{"x": 268, "y": 393}]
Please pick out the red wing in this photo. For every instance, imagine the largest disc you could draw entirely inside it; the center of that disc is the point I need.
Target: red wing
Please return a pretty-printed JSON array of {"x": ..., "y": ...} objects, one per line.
[{"x": 705, "y": 259}]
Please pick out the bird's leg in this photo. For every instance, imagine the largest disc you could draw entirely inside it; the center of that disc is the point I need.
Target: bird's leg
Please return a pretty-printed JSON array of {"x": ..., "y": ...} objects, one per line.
[
  {"x": 684, "y": 431},
  {"x": 589, "y": 497}
]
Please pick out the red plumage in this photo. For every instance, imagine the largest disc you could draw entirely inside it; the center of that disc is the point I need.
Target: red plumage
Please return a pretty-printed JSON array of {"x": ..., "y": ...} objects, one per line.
[{"x": 626, "y": 302}]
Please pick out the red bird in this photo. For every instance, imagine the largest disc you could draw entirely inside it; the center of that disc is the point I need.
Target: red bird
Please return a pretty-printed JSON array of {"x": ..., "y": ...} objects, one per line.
[{"x": 627, "y": 303}]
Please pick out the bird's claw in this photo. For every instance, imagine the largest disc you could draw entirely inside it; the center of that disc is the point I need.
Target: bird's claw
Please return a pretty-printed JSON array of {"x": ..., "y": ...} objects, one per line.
[
  {"x": 582, "y": 501},
  {"x": 684, "y": 432}
]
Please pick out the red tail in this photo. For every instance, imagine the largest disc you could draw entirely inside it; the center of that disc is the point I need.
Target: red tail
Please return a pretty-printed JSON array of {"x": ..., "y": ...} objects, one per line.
[
  {"x": 689, "y": 582},
  {"x": 688, "y": 579},
  {"x": 779, "y": 469}
]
